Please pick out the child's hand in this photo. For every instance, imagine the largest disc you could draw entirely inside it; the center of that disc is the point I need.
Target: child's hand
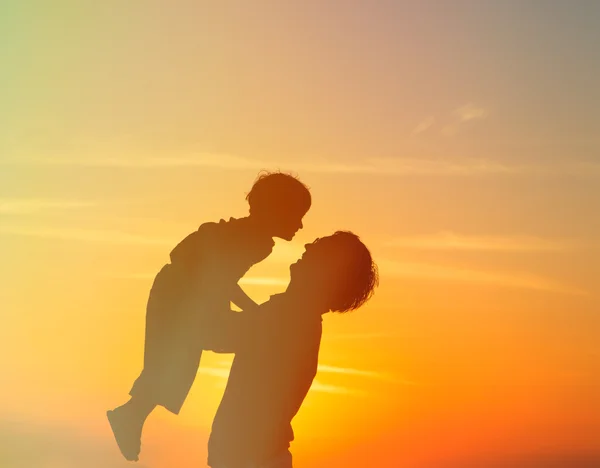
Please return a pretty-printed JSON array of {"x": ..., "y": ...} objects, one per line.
[
  {"x": 242, "y": 300},
  {"x": 251, "y": 307}
]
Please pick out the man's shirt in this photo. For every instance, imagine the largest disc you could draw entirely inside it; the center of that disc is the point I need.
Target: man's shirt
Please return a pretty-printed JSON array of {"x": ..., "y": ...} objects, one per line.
[{"x": 276, "y": 355}]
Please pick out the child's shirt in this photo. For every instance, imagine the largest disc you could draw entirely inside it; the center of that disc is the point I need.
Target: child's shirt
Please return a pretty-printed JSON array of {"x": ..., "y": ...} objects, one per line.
[{"x": 208, "y": 263}]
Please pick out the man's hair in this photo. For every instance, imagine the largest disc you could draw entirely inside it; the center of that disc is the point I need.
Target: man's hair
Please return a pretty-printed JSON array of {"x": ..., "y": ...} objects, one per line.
[
  {"x": 360, "y": 278},
  {"x": 273, "y": 191}
]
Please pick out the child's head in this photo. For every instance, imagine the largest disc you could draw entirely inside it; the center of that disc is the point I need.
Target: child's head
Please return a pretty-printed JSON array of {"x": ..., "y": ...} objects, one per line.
[{"x": 279, "y": 201}]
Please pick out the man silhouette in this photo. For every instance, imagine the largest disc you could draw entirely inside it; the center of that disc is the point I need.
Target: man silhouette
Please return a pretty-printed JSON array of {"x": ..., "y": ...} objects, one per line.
[{"x": 276, "y": 352}]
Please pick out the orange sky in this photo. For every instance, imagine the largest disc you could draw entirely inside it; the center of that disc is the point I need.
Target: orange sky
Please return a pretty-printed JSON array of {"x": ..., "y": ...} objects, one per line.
[{"x": 444, "y": 137}]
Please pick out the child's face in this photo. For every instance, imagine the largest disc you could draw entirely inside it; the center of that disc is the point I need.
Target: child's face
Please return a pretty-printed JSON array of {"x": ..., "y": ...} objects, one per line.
[{"x": 288, "y": 223}]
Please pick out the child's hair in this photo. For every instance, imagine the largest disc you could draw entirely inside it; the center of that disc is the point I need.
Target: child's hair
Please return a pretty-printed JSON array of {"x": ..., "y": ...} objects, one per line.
[{"x": 273, "y": 191}]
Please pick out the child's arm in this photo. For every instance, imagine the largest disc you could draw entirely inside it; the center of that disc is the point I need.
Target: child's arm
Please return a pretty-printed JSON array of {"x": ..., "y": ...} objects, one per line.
[{"x": 241, "y": 299}]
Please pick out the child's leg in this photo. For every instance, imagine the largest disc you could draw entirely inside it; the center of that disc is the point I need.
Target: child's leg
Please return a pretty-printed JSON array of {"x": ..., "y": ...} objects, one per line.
[
  {"x": 127, "y": 422},
  {"x": 171, "y": 359},
  {"x": 172, "y": 354}
]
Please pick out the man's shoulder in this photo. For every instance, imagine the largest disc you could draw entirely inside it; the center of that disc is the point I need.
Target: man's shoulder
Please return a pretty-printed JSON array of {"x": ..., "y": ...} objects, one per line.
[
  {"x": 212, "y": 225},
  {"x": 286, "y": 314}
]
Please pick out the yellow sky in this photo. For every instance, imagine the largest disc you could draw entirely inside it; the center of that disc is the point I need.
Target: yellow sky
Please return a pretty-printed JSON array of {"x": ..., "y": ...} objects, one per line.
[{"x": 443, "y": 137}]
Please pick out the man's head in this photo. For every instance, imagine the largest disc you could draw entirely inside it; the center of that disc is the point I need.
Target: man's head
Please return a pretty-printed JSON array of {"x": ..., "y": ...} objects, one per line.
[
  {"x": 279, "y": 201},
  {"x": 336, "y": 271}
]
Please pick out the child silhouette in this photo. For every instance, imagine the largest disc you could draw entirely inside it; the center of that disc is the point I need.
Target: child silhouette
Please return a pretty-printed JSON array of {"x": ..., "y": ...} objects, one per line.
[{"x": 194, "y": 289}]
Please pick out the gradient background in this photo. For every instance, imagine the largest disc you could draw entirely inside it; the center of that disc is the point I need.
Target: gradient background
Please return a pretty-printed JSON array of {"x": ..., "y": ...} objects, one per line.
[{"x": 460, "y": 140}]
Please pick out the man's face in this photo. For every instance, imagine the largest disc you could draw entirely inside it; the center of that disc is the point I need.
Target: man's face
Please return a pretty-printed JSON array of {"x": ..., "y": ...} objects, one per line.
[{"x": 319, "y": 263}]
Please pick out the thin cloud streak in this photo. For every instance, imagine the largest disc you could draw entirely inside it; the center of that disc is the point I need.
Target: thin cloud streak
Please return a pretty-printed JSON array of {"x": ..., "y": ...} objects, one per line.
[
  {"x": 349, "y": 371},
  {"x": 471, "y": 112},
  {"x": 424, "y": 125},
  {"x": 369, "y": 166},
  {"x": 84, "y": 235},
  {"x": 325, "y": 369},
  {"x": 221, "y": 372},
  {"x": 428, "y": 271},
  {"x": 362, "y": 373},
  {"x": 251, "y": 280},
  {"x": 388, "y": 166},
  {"x": 389, "y": 267},
  {"x": 452, "y": 241},
  {"x": 464, "y": 114},
  {"x": 36, "y": 205},
  {"x": 284, "y": 252},
  {"x": 317, "y": 386},
  {"x": 361, "y": 336},
  {"x": 322, "y": 368}
]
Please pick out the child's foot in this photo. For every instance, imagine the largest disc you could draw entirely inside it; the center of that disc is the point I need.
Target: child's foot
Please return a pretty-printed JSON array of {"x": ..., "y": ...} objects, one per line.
[{"x": 127, "y": 431}]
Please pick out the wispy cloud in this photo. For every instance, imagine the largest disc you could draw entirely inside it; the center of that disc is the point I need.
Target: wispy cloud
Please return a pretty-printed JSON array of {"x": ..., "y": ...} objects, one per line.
[
  {"x": 429, "y": 271},
  {"x": 388, "y": 267},
  {"x": 467, "y": 113},
  {"x": 448, "y": 240},
  {"x": 221, "y": 371},
  {"x": 250, "y": 280},
  {"x": 424, "y": 125},
  {"x": 319, "y": 386},
  {"x": 84, "y": 235},
  {"x": 284, "y": 252},
  {"x": 36, "y": 205},
  {"x": 382, "y": 166},
  {"x": 370, "y": 166},
  {"x": 362, "y": 373},
  {"x": 471, "y": 112},
  {"x": 361, "y": 336}
]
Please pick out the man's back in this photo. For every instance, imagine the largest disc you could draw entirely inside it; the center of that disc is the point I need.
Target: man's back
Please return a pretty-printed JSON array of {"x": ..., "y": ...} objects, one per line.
[{"x": 275, "y": 363}]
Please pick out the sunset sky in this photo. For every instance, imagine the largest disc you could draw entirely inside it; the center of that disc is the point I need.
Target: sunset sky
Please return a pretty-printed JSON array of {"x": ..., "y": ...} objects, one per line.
[{"x": 460, "y": 140}]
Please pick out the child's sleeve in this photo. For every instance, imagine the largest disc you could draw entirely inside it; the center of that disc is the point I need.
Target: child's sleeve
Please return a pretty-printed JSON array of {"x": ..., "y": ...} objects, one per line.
[
  {"x": 194, "y": 247},
  {"x": 202, "y": 258}
]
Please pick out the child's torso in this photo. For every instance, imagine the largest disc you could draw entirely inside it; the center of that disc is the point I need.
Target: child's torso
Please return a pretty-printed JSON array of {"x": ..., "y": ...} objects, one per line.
[{"x": 219, "y": 254}]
